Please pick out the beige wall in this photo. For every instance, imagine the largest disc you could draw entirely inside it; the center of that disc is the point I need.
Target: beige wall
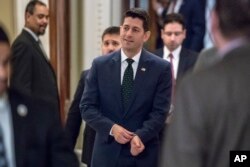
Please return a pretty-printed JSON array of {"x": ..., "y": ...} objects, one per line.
[{"x": 7, "y": 16}]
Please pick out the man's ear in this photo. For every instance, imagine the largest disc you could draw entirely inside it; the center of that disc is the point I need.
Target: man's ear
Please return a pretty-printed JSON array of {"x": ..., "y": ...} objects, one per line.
[
  {"x": 27, "y": 15},
  {"x": 162, "y": 33},
  {"x": 214, "y": 21},
  {"x": 215, "y": 29},
  {"x": 185, "y": 33},
  {"x": 146, "y": 35}
]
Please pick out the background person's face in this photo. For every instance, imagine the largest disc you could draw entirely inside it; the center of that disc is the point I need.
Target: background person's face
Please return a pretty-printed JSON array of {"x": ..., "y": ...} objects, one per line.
[
  {"x": 38, "y": 21},
  {"x": 110, "y": 43},
  {"x": 4, "y": 66},
  {"x": 173, "y": 35}
]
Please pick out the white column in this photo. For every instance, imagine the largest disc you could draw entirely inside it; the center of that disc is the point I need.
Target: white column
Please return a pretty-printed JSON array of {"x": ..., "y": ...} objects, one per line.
[
  {"x": 96, "y": 18},
  {"x": 116, "y": 14},
  {"x": 98, "y": 15}
]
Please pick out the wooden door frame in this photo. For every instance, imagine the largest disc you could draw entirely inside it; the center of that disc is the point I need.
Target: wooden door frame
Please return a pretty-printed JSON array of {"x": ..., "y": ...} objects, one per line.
[{"x": 60, "y": 49}]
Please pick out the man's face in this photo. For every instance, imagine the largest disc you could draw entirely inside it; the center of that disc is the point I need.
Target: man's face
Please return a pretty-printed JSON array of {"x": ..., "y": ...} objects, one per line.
[
  {"x": 38, "y": 21},
  {"x": 110, "y": 43},
  {"x": 173, "y": 35},
  {"x": 132, "y": 34},
  {"x": 4, "y": 66}
]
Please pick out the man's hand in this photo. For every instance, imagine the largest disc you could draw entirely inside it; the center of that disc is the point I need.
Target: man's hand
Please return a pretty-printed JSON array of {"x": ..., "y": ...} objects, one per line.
[
  {"x": 136, "y": 146},
  {"x": 121, "y": 134}
]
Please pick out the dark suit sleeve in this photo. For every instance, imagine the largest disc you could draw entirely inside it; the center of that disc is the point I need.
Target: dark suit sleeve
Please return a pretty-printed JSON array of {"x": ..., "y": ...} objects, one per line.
[
  {"x": 201, "y": 62},
  {"x": 160, "y": 108},
  {"x": 184, "y": 143},
  {"x": 206, "y": 58},
  {"x": 21, "y": 68},
  {"x": 47, "y": 140},
  {"x": 90, "y": 104},
  {"x": 74, "y": 119}
]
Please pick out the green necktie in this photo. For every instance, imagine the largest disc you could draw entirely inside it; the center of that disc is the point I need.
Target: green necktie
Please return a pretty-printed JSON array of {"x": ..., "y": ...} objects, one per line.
[{"x": 127, "y": 83}]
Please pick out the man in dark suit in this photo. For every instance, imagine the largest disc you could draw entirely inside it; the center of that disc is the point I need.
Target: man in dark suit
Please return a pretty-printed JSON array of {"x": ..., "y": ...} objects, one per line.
[
  {"x": 110, "y": 43},
  {"x": 31, "y": 135},
  {"x": 32, "y": 72},
  {"x": 173, "y": 34},
  {"x": 213, "y": 116},
  {"x": 182, "y": 60},
  {"x": 194, "y": 14},
  {"x": 206, "y": 58},
  {"x": 126, "y": 99}
]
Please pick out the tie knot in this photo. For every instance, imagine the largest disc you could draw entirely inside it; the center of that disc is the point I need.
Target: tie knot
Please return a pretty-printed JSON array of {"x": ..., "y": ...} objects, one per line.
[
  {"x": 170, "y": 55},
  {"x": 130, "y": 61}
]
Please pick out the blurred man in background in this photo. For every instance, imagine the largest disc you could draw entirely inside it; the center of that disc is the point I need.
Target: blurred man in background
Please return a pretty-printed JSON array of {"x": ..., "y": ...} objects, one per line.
[
  {"x": 110, "y": 42},
  {"x": 30, "y": 130},
  {"x": 32, "y": 72},
  {"x": 212, "y": 108},
  {"x": 193, "y": 12},
  {"x": 173, "y": 33}
]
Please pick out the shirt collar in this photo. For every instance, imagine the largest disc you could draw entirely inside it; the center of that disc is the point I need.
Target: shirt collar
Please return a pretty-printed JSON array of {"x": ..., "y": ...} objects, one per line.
[
  {"x": 231, "y": 45},
  {"x": 136, "y": 58},
  {"x": 31, "y": 33},
  {"x": 175, "y": 53},
  {"x": 3, "y": 100}
]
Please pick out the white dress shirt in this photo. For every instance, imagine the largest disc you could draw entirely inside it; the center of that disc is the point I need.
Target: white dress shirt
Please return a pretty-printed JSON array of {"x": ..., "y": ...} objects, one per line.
[
  {"x": 38, "y": 40},
  {"x": 176, "y": 58},
  {"x": 7, "y": 128},
  {"x": 124, "y": 63},
  {"x": 31, "y": 33},
  {"x": 231, "y": 45}
]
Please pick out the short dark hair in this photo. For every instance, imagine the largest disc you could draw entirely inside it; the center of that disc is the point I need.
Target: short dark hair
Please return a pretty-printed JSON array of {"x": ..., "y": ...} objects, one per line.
[
  {"x": 234, "y": 16},
  {"x": 31, "y": 6},
  {"x": 141, "y": 14},
  {"x": 111, "y": 30},
  {"x": 4, "y": 36},
  {"x": 174, "y": 18}
]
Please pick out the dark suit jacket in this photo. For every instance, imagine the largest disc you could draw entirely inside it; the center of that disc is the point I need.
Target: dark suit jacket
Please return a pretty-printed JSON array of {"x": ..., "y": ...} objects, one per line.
[
  {"x": 213, "y": 116},
  {"x": 38, "y": 136},
  {"x": 206, "y": 58},
  {"x": 31, "y": 72},
  {"x": 101, "y": 106},
  {"x": 74, "y": 122},
  {"x": 186, "y": 62},
  {"x": 194, "y": 13}
]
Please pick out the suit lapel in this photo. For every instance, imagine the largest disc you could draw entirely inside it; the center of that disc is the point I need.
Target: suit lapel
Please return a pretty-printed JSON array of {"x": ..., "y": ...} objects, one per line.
[
  {"x": 182, "y": 63},
  {"x": 37, "y": 47},
  {"x": 141, "y": 72},
  {"x": 35, "y": 44},
  {"x": 116, "y": 78},
  {"x": 159, "y": 52}
]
